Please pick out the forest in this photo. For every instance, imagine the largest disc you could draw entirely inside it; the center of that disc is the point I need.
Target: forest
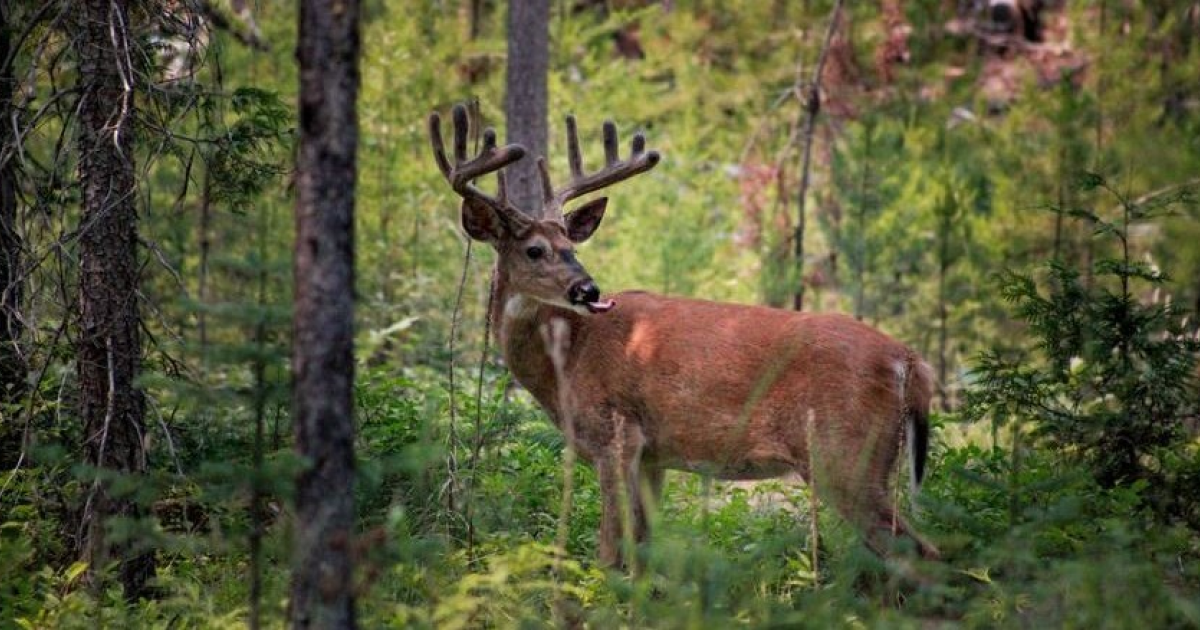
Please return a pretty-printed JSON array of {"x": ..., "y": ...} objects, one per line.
[{"x": 276, "y": 349}]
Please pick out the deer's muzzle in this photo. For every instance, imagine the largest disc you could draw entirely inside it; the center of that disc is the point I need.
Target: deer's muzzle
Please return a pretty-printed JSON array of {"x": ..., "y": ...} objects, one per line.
[{"x": 586, "y": 294}]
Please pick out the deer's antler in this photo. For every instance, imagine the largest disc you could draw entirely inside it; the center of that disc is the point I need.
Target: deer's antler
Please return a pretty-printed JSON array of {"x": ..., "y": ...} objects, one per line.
[
  {"x": 490, "y": 159},
  {"x": 615, "y": 170}
]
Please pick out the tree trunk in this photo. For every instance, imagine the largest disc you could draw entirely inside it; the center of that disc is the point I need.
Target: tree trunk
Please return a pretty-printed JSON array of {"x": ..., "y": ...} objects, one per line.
[
  {"x": 205, "y": 239},
  {"x": 474, "y": 19},
  {"x": 322, "y": 594},
  {"x": 258, "y": 369},
  {"x": 109, "y": 347},
  {"x": 12, "y": 364},
  {"x": 525, "y": 97}
]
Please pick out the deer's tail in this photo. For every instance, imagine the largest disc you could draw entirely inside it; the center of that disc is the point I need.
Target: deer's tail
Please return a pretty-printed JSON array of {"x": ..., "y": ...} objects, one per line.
[{"x": 918, "y": 393}]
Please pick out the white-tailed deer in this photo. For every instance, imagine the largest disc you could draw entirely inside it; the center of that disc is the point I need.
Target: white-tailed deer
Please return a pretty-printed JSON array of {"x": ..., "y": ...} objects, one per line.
[{"x": 650, "y": 383}]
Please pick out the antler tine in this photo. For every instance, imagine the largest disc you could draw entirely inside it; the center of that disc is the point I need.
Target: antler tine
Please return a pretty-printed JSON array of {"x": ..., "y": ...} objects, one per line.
[
  {"x": 639, "y": 144},
  {"x": 439, "y": 147},
  {"x": 489, "y": 145},
  {"x": 615, "y": 169},
  {"x": 461, "y": 131},
  {"x": 544, "y": 176},
  {"x": 463, "y": 172},
  {"x": 610, "y": 143},
  {"x": 573, "y": 156}
]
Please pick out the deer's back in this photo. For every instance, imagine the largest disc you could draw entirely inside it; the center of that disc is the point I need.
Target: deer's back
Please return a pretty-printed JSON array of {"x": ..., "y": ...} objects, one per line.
[{"x": 710, "y": 380}]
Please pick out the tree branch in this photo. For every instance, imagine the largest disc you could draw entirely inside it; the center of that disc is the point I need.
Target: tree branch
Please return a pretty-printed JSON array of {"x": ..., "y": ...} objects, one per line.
[
  {"x": 247, "y": 36},
  {"x": 811, "y": 106}
]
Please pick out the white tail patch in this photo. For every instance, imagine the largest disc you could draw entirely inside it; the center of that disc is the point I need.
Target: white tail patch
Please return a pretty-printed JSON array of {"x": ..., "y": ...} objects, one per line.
[
  {"x": 914, "y": 486},
  {"x": 909, "y": 417}
]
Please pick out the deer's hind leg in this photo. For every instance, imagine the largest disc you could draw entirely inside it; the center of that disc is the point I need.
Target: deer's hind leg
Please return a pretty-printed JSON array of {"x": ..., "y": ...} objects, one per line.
[
  {"x": 889, "y": 526},
  {"x": 868, "y": 501},
  {"x": 855, "y": 480}
]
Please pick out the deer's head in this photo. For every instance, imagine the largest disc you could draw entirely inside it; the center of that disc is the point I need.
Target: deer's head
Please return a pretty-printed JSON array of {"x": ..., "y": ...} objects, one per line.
[{"x": 537, "y": 250}]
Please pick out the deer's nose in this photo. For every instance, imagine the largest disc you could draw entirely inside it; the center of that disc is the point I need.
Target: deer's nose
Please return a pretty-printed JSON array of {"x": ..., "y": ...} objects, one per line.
[{"x": 583, "y": 292}]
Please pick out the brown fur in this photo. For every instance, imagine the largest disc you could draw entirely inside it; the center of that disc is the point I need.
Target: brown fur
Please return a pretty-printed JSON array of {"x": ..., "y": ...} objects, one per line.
[{"x": 670, "y": 383}]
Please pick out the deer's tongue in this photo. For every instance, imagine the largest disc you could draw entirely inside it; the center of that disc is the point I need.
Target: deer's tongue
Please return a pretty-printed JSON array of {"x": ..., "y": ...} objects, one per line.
[{"x": 601, "y": 306}]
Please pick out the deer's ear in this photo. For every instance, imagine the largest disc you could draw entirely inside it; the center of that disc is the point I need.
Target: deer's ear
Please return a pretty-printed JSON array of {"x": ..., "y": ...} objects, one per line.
[
  {"x": 583, "y": 221},
  {"x": 481, "y": 222}
]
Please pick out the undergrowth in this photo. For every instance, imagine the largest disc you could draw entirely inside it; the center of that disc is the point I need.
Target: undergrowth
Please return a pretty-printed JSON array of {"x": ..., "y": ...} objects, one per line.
[{"x": 1029, "y": 539}]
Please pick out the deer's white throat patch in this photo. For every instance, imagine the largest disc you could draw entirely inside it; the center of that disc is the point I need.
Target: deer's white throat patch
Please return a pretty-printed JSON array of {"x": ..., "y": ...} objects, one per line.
[{"x": 518, "y": 305}]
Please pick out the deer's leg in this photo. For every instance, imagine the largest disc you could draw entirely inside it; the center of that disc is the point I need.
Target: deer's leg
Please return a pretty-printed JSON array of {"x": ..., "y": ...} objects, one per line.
[
  {"x": 881, "y": 524},
  {"x": 623, "y": 515},
  {"x": 631, "y": 441},
  {"x": 891, "y": 525},
  {"x": 649, "y": 492},
  {"x": 857, "y": 487},
  {"x": 608, "y": 546}
]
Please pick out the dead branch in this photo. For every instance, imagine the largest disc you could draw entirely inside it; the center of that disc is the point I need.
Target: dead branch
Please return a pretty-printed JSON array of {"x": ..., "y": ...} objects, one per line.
[
  {"x": 246, "y": 34},
  {"x": 811, "y": 106}
]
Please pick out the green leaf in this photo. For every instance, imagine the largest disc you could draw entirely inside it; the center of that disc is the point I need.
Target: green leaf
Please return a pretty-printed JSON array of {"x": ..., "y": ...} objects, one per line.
[
  {"x": 1089, "y": 181},
  {"x": 74, "y": 571},
  {"x": 979, "y": 574}
]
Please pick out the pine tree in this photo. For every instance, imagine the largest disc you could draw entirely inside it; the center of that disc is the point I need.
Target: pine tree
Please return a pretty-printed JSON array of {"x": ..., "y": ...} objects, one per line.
[
  {"x": 12, "y": 364},
  {"x": 1113, "y": 378},
  {"x": 109, "y": 346}
]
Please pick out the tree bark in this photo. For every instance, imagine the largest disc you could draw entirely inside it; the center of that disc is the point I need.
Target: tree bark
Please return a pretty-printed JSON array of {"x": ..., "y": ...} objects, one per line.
[
  {"x": 474, "y": 19},
  {"x": 525, "y": 97},
  {"x": 12, "y": 364},
  {"x": 322, "y": 593},
  {"x": 205, "y": 230},
  {"x": 109, "y": 347},
  {"x": 258, "y": 369}
]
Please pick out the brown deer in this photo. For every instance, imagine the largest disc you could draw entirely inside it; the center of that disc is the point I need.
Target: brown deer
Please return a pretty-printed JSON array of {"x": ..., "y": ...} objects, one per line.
[{"x": 641, "y": 383}]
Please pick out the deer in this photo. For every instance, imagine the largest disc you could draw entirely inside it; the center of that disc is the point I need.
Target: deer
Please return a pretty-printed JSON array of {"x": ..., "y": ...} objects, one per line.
[{"x": 643, "y": 383}]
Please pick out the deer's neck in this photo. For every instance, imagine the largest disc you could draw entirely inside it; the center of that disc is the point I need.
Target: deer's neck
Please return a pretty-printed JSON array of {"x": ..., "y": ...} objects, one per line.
[{"x": 520, "y": 324}]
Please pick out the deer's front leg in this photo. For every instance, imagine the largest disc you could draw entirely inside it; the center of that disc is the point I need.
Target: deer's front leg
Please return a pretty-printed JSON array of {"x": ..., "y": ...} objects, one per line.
[
  {"x": 623, "y": 517},
  {"x": 609, "y": 543},
  {"x": 619, "y": 468},
  {"x": 647, "y": 488}
]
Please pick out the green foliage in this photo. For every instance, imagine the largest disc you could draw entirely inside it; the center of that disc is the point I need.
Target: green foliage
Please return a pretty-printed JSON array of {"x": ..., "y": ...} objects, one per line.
[
  {"x": 1114, "y": 378},
  {"x": 1037, "y": 539}
]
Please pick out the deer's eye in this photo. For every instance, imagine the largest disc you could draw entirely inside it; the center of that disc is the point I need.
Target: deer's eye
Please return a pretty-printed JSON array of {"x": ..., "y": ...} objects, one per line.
[{"x": 535, "y": 252}]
